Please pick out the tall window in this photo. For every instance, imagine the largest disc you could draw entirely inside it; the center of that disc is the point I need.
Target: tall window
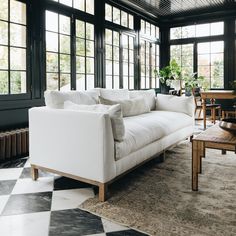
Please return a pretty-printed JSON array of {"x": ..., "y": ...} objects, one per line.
[
  {"x": 13, "y": 47},
  {"x": 58, "y": 51},
  {"x": 209, "y": 51},
  {"x": 82, "y": 5},
  {"x": 112, "y": 47},
  {"x": 211, "y": 63},
  {"x": 84, "y": 55},
  {"x": 149, "y": 55}
]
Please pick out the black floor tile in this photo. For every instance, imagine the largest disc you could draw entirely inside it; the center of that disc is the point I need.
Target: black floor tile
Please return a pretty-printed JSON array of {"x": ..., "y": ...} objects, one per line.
[
  {"x": 28, "y": 203},
  {"x": 6, "y": 186},
  {"x": 26, "y": 173},
  {"x": 74, "y": 222},
  {"x": 63, "y": 183},
  {"x": 15, "y": 163},
  {"x": 125, "y": 233}
]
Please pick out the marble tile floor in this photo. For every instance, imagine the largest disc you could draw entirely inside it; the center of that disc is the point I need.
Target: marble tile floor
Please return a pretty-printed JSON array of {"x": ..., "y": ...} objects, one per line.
[{"x": 49, "y": 206}]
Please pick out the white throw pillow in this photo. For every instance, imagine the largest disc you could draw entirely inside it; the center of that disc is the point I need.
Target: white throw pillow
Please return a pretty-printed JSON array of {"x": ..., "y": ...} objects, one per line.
[
  {"x": 56, "y": 99},
  {"x": 149, "y": 96},
  {"x": 114, "y": 94},
  {"x": 115, "y": 113},
  {"x": 129, "y": 107},
  {"x": 174, "y": 103}
]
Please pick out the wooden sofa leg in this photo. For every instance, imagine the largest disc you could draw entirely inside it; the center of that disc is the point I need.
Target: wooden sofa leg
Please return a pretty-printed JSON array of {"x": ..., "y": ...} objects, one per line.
[
  {"x": 191, "y": 138},
  {"x": 34, "y": 173},
  {"x": 102, "y": 196}
]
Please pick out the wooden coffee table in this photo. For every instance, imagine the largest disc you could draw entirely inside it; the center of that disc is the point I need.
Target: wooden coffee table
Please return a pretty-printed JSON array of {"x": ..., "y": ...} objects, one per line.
[{"x": 215, "y": 138}]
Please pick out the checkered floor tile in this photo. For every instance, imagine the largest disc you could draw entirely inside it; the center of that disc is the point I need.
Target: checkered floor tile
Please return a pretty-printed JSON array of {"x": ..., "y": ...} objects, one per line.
[{"x": 49, "y": 206}]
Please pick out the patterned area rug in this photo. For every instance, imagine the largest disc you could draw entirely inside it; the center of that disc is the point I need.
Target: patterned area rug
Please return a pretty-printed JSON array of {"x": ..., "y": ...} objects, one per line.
[{"x": 157, "y": 198}]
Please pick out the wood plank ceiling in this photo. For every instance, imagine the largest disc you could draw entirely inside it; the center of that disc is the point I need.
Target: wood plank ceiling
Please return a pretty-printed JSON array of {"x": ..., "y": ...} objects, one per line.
[{"x": 170, "y": 8}]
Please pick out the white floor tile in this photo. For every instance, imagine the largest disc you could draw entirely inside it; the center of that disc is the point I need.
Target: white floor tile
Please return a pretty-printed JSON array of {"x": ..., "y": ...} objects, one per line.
[
  {"x": 3, "y": 201},
  {"x": 36, "y": 224},
  {"x": 69, "y": 199},
  {"x": 10, "y": 173},
  {"x": 112, "y": 227},
  {"x": 29, "y": 186}
]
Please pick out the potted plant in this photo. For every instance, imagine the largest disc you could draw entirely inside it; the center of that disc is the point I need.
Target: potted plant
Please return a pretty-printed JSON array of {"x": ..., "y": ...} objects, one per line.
[{"x": 170, "y": 76}]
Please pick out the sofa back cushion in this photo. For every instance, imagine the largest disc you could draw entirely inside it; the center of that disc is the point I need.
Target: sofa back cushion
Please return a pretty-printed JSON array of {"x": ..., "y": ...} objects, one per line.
[
  {"x": 129, "y": 107},
  {"x": 148, "y": 95},
  {"x": 174, "y": 103},
  {"x": 114, "y": 112},
  {"x": 56, "y": 99},
  {"x": 114, "y": 94}
]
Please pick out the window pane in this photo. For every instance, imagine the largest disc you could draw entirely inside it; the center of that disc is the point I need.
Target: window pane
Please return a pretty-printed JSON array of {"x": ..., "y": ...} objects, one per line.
[
  {"x": 188, "y": 31},
  {"x": 80, "y": 65},
  {"x": 65, "y": 63},
  {"x": 3, "y": 82},
  {"x": 217, "y": 47},
  {"x": 18, "y": 82},
  {"x": 65, "y": 82},
  {"x": 203, "y": 48},
  {"x": 108, "y": 35},
  {"x": 51, "y": 21},
  {"x": 217, "y": 59},
  {"x": 89, "y": 31},
  {"x": 116, "y": 82},
  {"x": 18, "y": 59},
  {"x": 4, "y": 10},
  {"x": 52, "y": 81},
  {"x": 116, "y": 15},
  {"x": 204, "y": 59},
  {"x": 3, "y": 32},
  {"x": 90, "y": 81},
  {"x": 124, "y": 19},
  {"x": 79, "y": 4},
  {"x": 90, "y": 65},
  {"x": 108, "y": 12},
  {"x": 3, "y": 57},
  {"x": 116, "y": 53},
  {"x": 17, "y": 35},
  {"x": 80, "y": 47},
  {"x": 52, "y": 42},
  {"x": 108, "y": 52},
  {"x": 90, "y": 6},
  {"x": 108, "y": 67},
  {"x": 80, "y": 82},
  {"x": 18, "y": 12},
  {"x": 116, "y": 38},
  {"x": 66, "y": 2},
  {"x": 90, "y": 48},
  {"x": 52, "y": 62},
  {"x": 80, "y": 29},
  {"x": 202, "y": 30},
  {"x": 217, "y": 28},
  {"x": 175, "y": 33},
  {"x": 65, "y": 44},
  {"x": 109, "y": 82},
  {"x": 64, "y": 24},
  {"x": 131, "y": 21}
]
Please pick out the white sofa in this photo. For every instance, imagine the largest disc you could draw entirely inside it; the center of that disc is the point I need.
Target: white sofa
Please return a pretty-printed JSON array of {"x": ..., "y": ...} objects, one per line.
[{"x": 80, "y": 144}]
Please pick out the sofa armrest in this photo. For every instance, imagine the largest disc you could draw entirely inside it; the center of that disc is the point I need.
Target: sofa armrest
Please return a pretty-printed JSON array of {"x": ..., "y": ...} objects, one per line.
[
  {"x": 181, "y": 104},
  {"x": 79, "y": 143}
]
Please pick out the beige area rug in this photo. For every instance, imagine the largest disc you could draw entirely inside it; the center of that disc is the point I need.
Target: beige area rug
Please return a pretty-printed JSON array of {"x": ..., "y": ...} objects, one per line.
[{"x": 157, "y": 198}]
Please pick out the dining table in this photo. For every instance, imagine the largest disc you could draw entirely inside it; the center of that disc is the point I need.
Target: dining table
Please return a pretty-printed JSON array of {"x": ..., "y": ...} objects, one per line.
[{"x": 212, "y": 95}]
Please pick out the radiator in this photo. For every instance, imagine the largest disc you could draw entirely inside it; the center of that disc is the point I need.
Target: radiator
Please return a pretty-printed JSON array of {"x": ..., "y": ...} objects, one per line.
[{"x": 14, "y": 143}]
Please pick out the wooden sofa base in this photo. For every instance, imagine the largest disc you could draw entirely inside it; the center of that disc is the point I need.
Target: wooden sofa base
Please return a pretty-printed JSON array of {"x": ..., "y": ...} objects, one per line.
[{"x": 103, "y": 187}]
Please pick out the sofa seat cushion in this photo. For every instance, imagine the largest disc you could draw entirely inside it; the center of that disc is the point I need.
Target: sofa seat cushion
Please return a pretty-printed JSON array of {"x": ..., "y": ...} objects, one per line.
[{"x": 147, "y": 128}]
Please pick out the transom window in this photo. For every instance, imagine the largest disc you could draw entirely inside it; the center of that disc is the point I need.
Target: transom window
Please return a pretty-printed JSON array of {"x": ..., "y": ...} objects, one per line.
[
  {"x": 149, "y": 29},
  {"x": 13, "y": 47},
  {"x": 58, "y": 51},
  {"x": 118, "y": 16},
  {"x": 84, "y": 55},
  {"x": 199, "y": 30},
  {"x": 82, "y": 5}
]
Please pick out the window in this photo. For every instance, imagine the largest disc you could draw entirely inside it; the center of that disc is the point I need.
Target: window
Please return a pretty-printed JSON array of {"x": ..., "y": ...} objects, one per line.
[
  {"x": 199, "y": 30},
  {"x": 211, "y": 63},
  {"x": 149, "y": 53},
  {"x": 118, "y": 16},
  {"x": 112, "y": 47},
  {"x": 183, "y": 54},
  {"x": 84, "y": 55},
  {"x": 13, "y": 47},
  {"x": 58, "y": 51},
  {"x": 82, "y": 5}
]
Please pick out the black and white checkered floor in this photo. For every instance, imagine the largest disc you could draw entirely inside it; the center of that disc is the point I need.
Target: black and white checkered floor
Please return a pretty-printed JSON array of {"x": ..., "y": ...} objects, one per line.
[{"x": 49, "y": 206}]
